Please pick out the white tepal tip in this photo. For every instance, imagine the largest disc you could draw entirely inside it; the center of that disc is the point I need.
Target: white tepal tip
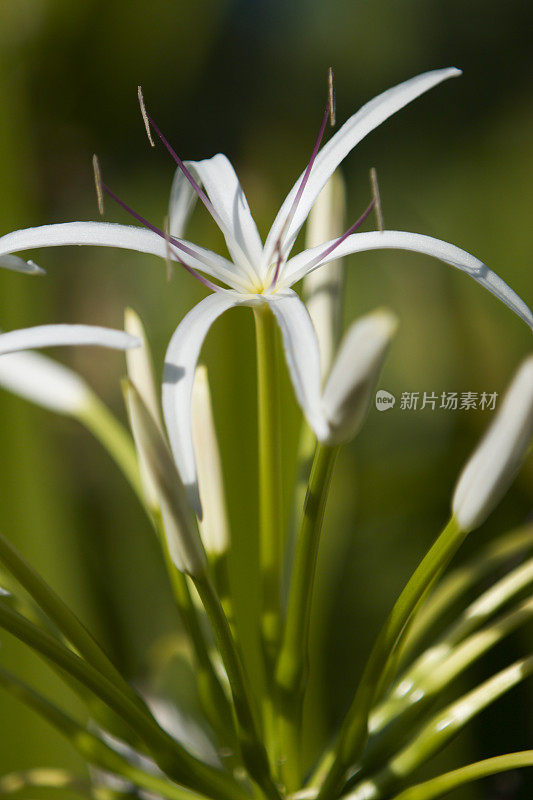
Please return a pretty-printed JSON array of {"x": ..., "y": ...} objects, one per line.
[
  {"x": 490, "y": 470},
  {"x": 349, "y": 388}
]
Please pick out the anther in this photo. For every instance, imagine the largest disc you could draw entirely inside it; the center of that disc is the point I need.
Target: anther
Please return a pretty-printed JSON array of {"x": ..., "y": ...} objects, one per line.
[
  {"x": 331, "y": 97},
  {"x": 377, "y": 199},
  {"x": 98, "y": 184},
  {"x": 145, "y": 115}
]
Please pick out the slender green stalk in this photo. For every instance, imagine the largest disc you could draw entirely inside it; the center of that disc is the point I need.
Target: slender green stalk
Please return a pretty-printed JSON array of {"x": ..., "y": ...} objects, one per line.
[
  {"x": 443, "y": 727},
  {"x": 436, "y": 787},
  {"x": 293, "y": 664},
  {"x": 67, "y": 622},
  {"x": 91, "y": 748},
  {"x": 252, "y": 748},
  {"x": 354, "y": 731},
  {"x": 169, "y": 755},
  {"x": 116, "y": 440},
  {"x": 270, "y": 497}
]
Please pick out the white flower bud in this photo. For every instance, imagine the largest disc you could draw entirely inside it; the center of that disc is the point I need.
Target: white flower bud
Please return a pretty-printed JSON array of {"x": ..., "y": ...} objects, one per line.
[
  {"x": 45, "y": 382},
  {"x": 182, "y": 535},
  {"x": 214, "y": 522},
  {"x": 141, "y": 374},
  {"x": 490, "y": 470},
  {"x": 354, "y": 375},
  {"x": 323, "y": 287}
]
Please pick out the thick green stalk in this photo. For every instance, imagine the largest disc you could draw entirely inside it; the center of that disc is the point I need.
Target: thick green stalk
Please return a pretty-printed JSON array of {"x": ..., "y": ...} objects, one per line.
[
  {"x": 253, "y": 751},
  {"x": 169, "y": 755},
  {"x": 293, "y": 664},
  {"x": 270, "y": 497},
  {"x": 354, "y": 731}
]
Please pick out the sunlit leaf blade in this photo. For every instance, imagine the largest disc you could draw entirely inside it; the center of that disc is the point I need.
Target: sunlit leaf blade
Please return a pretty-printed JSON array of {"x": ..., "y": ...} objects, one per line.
[{"x": 438, "y": 787}]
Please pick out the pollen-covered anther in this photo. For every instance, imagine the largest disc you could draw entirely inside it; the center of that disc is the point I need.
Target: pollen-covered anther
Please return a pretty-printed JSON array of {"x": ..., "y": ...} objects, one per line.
[
  {"x": 98, "y": 184},
  {"x": 331, "y": 98},
  {"x": 145, "y": 115}
]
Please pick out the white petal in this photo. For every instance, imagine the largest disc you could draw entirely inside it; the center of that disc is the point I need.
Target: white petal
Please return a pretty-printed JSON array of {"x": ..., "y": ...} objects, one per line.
[
  {"x": 58, "y": 335},
  {"x": 45, "y": 382},
  {"x": 370, "y": 116},
  {"x": 127, "y": 237},
  {"x": 180, "y": 365},
  {"x": 301, "y": 351},
  {"x": 229, "y": 202},
  {"x": 19, "y": 265},
  {"x": 493, "y": 465},
  {"x": 304, "y": 262}
]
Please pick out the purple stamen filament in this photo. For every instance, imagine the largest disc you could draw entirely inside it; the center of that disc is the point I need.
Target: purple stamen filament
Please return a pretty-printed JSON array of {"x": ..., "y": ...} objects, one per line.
[
  {"x": 197, "y": 188},
  {"x": 170, "y": 240},
  {"x": 341, "y": 239}
]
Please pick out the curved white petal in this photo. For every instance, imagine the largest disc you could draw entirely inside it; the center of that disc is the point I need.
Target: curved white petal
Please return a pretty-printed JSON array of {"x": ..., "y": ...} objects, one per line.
[
  {"x": 19, "y": 265},
  {"x": 370, "y": 116},
  {"x": 58, "y": 335},
  {"x": 229, "y": 202},
  {"x": 304, "y": 262},
  {"x": 127, "y": 237},
  {"x": 180, "y": 365},
  {"x": 303, "y": 358}
]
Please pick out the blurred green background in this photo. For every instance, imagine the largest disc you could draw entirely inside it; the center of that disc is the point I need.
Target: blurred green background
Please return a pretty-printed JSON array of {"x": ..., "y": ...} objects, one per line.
[{"x": 248, "y": 79}]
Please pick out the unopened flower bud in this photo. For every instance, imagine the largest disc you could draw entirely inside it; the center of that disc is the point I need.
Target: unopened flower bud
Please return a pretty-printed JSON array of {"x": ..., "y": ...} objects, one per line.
[
  {"x": 141, "y": 374},
  {"x": 490, "y": 470},
  {"x": 355, "y": 372},
  {"x": 214, "y": 522},
  {"x": 184, "y": 543},
  {"x": 323, "y": 287},
  {"x": 45, "y": 382}
]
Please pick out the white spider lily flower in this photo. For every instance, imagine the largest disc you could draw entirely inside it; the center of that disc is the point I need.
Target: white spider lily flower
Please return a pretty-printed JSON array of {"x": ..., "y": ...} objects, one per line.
[
  {"x": 322, "y": 288},
  {"x": 46, "y": 382},
  {"x": 490, "y": 470},
  {"x": 348, "y": 390},
  {"x": 141, "y": 374},
  {"x": 214, "y": 528},
  {"x": 184, "y": 543},
  {"x": 258, "y": 274}
]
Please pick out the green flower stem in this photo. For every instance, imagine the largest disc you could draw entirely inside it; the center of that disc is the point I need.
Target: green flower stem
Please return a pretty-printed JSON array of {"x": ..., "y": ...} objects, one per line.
[
  {"x": 90, "y": 747},
  {"x": 354, "y": 731},
  {"x": 169, "y": 755},
  {"x": 270, "y": 494},
  {"x": 252, "y": 749},
  {"x": 293, "y": 664},
  {"x": 67, "y": 622},
  {"x": 116, "y": 440},
  {"x": 436, "y": 787}
]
